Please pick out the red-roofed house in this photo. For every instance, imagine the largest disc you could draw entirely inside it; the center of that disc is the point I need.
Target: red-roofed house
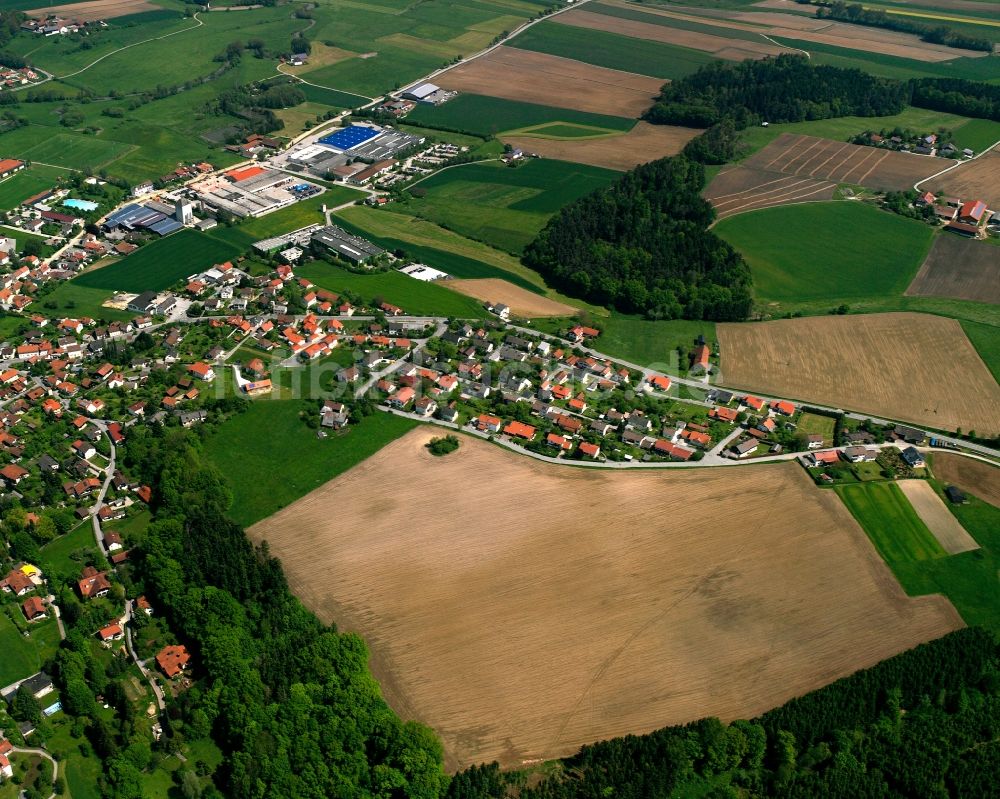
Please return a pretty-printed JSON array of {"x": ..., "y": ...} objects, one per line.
[
  {"x": 753, "y": 402},
  {"x": 202, "y": 371},
  {"x": 113, "y": 632},
  {"x": 520, "y": 430},
  {"x": 172, "y": 660},
  {"x": 590, "y": 450},
  {"x": 972, "y": 212},
  {"x": 33, "y": 608}
]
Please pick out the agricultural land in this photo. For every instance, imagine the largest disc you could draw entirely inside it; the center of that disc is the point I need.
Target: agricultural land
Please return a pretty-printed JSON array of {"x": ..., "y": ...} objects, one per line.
[
  {"x": 959, "y": 268},
  {"x": 632, "y": 662},
  {"x": 974, "y": 476}
]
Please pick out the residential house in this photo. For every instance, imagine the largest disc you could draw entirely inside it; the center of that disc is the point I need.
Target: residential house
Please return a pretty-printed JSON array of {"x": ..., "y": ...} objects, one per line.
[{"x": 173, "y": 660}]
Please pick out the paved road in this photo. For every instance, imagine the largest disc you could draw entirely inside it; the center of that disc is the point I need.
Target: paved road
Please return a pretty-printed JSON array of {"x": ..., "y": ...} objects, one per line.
[
  {"x": 109, "y": 475},
  {"x": 150, "y": 678}
]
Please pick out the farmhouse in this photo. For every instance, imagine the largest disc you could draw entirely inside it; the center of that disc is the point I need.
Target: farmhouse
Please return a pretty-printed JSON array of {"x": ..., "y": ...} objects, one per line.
[
  {"x": 972, "y": 212},
  {"x": 8, "y": 166}
]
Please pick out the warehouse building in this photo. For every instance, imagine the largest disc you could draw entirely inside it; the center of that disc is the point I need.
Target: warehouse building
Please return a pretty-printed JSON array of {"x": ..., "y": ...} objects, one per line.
[
  {"x": 339, "y": 241},
  {"x": 428, "y": 93}
]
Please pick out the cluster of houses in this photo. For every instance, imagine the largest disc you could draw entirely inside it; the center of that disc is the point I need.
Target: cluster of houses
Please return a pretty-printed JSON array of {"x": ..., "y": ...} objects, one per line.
[
  {"x": 968, "y": 218},
  {"x": 11, "y": 77},
  {"x": 53, "y": 25},
  {"x": 916, "y": 143}
]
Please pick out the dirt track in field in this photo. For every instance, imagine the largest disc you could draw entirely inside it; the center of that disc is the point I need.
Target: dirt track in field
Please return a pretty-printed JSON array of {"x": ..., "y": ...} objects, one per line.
[
  {"x": 972, "y": 476},
  {"x": 939, "y": 520},
  {"x": 521, "y": 301},
  {"x": 550, "y": 80},
  {"x": 706, "y": 42},
  {"x": 959, "y": 268},
  {"x": 522, "y": 609},
  {"x": 909, "y": 366},
  {"x": 974, "y": 180},
  {"x": 96, "y": 9},
  {"x": 643, "y": 143},
  {"x": 737, "y": 190}
]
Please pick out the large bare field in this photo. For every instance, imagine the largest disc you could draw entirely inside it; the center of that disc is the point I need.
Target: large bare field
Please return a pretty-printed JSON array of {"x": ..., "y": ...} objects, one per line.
[
  {"x": 705, "y": 42},
  {"x": 973, "y": 180},
  {"x": 96, "y": 9},
  {"x": 939, "y": 520},
  {"x": 969, "y": 474},
  {"x": 521, "y": 301},
  {"x": 550, "y": 80},
  {"x": 522, "y": 609},
  {"x": 738, "y": 189},
  {"x": 840, "y": 162},
  {"x": 960, "y": 268},
  {"x": 909, "y": 366},
  {"x": 643, "y": 143}
]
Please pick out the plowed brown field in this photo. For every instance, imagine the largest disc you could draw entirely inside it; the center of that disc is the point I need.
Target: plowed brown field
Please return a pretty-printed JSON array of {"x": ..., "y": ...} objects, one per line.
[
  {"x": 522, "y": 609},
  {"x": 914, "y": 367},
  {"x": 521, "y": 301},
  {"x": 978, "y": 478},
  {"x": 974, "y": 180},
  {"x": 960, "y": 268},
  {"x": 550, "y": 80},
  {"x": 96, "y": 9}
]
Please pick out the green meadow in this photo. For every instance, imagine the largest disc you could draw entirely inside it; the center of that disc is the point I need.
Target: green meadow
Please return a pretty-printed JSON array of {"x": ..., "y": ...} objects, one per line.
[
  {"x": 891, "y": 523},
  {"x": 501, "y": 205},
  {"x": 27, "y": 183},
  {"x": 833, "y": 251}
]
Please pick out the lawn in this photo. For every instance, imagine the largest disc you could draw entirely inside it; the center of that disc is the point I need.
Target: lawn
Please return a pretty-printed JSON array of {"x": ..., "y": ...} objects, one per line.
[
  {"x": 57, "y": 555},
  {"x": 26, "y": 183},
  {"x": 299, "y": 215},
  {"x": 70, "y": 298},
  {"x": 612, "y": 50},
  {"x": 81, "y": 772},
  {"x": 890, "y": 522},
  {"x": 986, "y": 339},
  {"x": 266, "y": 473},
  {"x": 413, "y": 296},
  {"x": 505, "y": 206},
  {"x": 23, "y": 656},
  {"x": 809, "y": 423},
  {"x": 72, "y": 150},
  {"x": 835, "y": 251},
  {"x": 162, "y": 263},
  {"x": 475, "y": 113}
]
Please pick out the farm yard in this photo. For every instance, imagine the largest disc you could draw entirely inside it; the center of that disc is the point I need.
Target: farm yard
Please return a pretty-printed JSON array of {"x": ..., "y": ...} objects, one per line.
[
  {"x": 952, "y": 537},
  {"x": 553, "y": 81},
  {"x": 914, "y": 367},
  {"x": 827, "y": 251},
  {"x": 970, "y": 475},
  {"x": 840, "y": 162},
  {"x": 521, "y": 301},
  {"x": 959, "y": 268},
  {"x": 686, "y": 620},
  {"x": 643, "y": 143},
  {"x": 160, "y": 264},
  {"x": 979, "y": 179}
]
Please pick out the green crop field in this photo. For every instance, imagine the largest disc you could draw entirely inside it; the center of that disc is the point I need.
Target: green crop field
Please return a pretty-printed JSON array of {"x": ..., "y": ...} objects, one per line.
[
  {"x": 612, "y": 50},
  {"x": 890, "y": 522},
  {"x": 501, "y": 205},
  {"x": 72, "y": 299},
  {"x": 160, "y": 264},
  {"x": 289, "y": 449},
  {"x": 986, "y": 339},
  {"x": 475, "y": 113},
  {"x": 70, "y": 150},
  {"x": 828, "y": 251},
  {"x": 413, "y": 296},
  {"x": 977, "y": 134},
  {"x": 331, "y": 97},
  {"x": 27, "y": 183}
]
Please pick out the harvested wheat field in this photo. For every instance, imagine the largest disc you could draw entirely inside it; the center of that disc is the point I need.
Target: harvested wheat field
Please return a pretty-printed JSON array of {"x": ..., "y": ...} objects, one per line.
[
  {"x": 978, "y": 478},
  {"x": 909, "y": 366},
  {"x": 978, "y": 179},
  {"x": 643, "y": 143},
  {"x": 960, "y": 268},
  {"x": 736, "y": 190},
  {"x": 522, "y": 609},
  {"x": 840, "y": 162},
  {"x": 706, "y": 42},
  {"x": 96, "y": 9},
  {"x": 521, "y": 301},
  {"x": 550, "y": 80},
  {"x": 942, "y": 523}
]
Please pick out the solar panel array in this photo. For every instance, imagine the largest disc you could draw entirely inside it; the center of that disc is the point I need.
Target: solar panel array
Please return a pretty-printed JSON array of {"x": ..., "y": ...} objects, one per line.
[{"x": 351, "y": 136}]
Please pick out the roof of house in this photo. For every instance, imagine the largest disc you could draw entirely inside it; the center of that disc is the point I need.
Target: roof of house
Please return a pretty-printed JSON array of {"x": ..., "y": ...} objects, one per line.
[{"x": 172, "y": 660}]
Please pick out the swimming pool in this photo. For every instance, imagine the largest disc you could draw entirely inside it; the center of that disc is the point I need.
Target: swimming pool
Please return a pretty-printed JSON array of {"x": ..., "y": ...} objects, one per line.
[{"x": 83, "y": 205}]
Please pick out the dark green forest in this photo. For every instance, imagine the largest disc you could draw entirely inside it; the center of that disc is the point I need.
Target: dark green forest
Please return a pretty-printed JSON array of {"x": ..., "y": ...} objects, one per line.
[
  {"x": 642, "y": 245},
  {"x": 791, "y": 89},
  {"x": 925, "y": 723}
]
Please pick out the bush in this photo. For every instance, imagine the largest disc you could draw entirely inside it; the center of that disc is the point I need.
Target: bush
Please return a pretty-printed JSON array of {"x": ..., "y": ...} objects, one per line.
[{"x": 442, "y": 446}]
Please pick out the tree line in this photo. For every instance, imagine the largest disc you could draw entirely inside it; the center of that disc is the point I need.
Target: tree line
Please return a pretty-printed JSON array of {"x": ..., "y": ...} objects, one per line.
[
  {"x": 924, "y": 723},
  {"x": 874, "y": 18},
  {"x": 642, "y": 245}
]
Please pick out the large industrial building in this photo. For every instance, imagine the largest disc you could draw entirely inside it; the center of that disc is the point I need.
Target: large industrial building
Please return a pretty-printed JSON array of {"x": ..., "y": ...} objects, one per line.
[
  {"x": 253, "y": 191},
  {"x": 327, "y": 156},
  {"x": 346, "y": 245}
]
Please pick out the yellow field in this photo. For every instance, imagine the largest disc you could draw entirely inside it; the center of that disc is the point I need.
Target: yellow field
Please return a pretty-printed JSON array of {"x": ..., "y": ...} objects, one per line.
[
  {"x": 523, "y": 609},
  {"x": 908, "y": 366}
]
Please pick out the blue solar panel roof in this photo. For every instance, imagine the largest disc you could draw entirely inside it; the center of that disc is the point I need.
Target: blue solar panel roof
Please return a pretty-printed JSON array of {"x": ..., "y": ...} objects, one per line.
[
  {"x": 352, "y": 136},
  {"x": 165, "y": 226}
]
